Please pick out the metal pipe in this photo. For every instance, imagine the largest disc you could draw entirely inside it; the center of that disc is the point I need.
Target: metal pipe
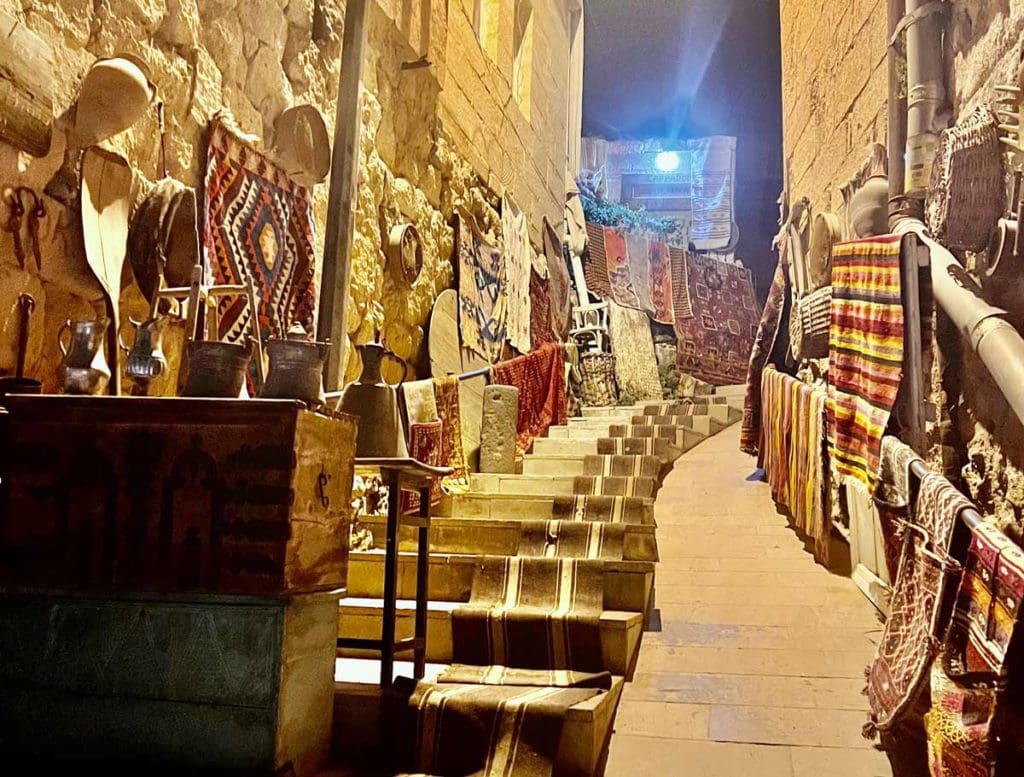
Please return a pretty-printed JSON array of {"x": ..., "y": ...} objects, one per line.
[
  {"x": 913, "y": 357},
  {"x": 926, "y": 90},
  {"x": 897, "y": 110},
  {"x": 997, "y": 343}
]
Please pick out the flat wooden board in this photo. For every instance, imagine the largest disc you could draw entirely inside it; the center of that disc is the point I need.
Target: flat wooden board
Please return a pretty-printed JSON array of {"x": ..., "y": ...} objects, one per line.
[
  {"x": 26, "y": 87},
  {"x": 448, "y": 357}
]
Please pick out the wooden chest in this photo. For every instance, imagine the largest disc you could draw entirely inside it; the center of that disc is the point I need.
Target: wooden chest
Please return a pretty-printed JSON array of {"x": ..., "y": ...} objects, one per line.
[{"x": 168, "y": 494}]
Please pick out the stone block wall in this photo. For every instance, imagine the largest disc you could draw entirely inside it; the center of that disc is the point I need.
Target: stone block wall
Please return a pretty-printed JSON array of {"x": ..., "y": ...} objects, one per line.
[
  {"x": 445, "y": 134},
  {"x": 834, "y": 104}
]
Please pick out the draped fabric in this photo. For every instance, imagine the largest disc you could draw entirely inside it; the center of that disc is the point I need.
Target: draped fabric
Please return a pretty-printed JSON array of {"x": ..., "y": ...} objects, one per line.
[
  {"x": 595, "y": 263},
  {"x": 540, "y": 310},
  {"x": 540, "y": 378},
  {"x": 662, "y": 292},
  {"x": 258, "y": 225},
  {"x": 483, "y": 299},
  {"x": 865, "y": 352},
  {"x": 446, "y": 391},
  {"x": 764, "y": 344},
  {"x": 638, "y": 249},
  {"x": 518, "y": 258},
  {"x": 793, "y": 446},
  {"x": 636, "y": 366},
  {"x": 424, "y": 446},
  {"x": 559, "y": 285},
  {"x": 714, "y": 343},
  {"x": 910, "y": 636},
  {"x": 623, "y": 292},
  {"x": 682, "y": 307}
]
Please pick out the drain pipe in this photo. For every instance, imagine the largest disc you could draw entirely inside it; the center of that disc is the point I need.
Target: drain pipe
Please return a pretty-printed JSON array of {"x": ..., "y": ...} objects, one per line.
[
  {"x": 926, "y": 91},
  {"x": 897, "y": 113},
  {"x": 997, "y": 343}
]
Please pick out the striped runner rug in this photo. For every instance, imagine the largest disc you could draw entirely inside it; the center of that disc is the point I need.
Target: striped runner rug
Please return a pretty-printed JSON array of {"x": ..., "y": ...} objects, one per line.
[
  {"x": 610, "y": 509},
  {"x": 572, "y": 539},
  {"x": 506, "y": 675},
  {"x": 865, "y": 352}
]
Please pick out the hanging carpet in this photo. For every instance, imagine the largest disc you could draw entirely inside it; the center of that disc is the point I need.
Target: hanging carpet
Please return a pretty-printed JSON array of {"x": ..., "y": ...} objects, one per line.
[
  {"x": 258, "y": 224},
  {"x": 424, "y": 446},
  {"x": 540, "y": 378},
  {"x": 510, "y": 676},
  {"x": 518, "y": 259},
  {"x": 608, "y": 509},
  {"x": 540, "y": 310},
  {"x": 910, "y": 635},
  {"x": 865, "y": 352},
  {"x": 636, "y": 367},
  {"x": 638, "y": 251},
  {"x": 713, "y": 169},
  {"x": 572, "y": 539},
  {"x": 623, "y": 291},
  {"x": 483, "y": 300},
  {"x": 559, "y": 284},
  {"x": 595, "y": 263},
  {"x": 761, "y": 352},
  {"x": 715, "y": 342},
  {"x": 532, "y": 613},
  {"x": 662, "y": 293},
  {"x": 490, "y": 730},
  {"x": 446, "y": 392},
  {"x": 682, "y": 308}
]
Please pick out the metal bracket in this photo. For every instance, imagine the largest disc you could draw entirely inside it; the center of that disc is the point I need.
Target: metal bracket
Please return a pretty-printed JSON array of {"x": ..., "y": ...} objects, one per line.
[{"x": 934, "y": 7}]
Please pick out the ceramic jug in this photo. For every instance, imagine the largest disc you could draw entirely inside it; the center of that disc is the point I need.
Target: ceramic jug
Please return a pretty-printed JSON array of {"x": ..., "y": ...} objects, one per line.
[
  {"x": 375, "y": 403},
  {"x": 84, "y": 369},
  {"x": 217, "y": 369},
  {"x": 296, "y": 367}
]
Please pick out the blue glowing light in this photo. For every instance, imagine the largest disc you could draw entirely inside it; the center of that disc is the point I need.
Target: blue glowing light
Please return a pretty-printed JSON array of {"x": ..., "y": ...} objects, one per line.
[{"x": 667, "y": 161}]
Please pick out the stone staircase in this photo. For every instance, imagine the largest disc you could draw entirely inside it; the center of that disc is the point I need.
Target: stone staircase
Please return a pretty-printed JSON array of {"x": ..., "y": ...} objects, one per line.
[{"x": 578, "y": 497}]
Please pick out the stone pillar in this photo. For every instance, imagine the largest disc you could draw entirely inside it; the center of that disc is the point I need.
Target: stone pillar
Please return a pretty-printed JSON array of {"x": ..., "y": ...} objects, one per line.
[{"x": 498, "y": 432}]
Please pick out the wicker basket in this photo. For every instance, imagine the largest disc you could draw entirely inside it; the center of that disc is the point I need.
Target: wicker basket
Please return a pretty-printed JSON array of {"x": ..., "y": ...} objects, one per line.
[
  {"x": 598, "y": 388},
  {"x": 809, "y": 323}
]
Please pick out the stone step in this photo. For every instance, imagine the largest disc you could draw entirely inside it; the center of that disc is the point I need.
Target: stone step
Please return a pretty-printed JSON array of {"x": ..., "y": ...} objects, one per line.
[
  {"x": 553, "y": 485},
  {"x": 613, "y": 410},
  {"x": 359, "y": 720},
  {"x": 361, "y": 618},
  {"x": 685, "y": 438},
  {"x": 705, "y": 424},
  {"x": 496, "y": 537},
  {"x": 514, "y": 507},
  {"x": 566, "y": 446},
  {"x": 627, "y": 584}
]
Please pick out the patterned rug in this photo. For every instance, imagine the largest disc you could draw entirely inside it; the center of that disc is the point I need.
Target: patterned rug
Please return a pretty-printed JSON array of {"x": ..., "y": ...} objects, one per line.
[
  {"x": 540, "y": 311},
  {"x": 619, "y": 278},
  {"x": 608, "y": 509},
  {"x": 761, "y": 352},
  {"x": 910, "y": 636},
  {"x": 682, "y": 307},
  {"x": 482, "y": 292},
  {"x": 504, "y": 675},
  {"x": 559, "y": 284},
  {"x": 959, "y": 727},
  {"x": 636, "y": 367},
  {"x": 572, "y": 539},
  {"x": 662, "y": 293},
  {"x": 446, "y": 392},
  {"x": 490, "y": 730},
  {"x": 540, "y": 378},
  {"x": 714, "y": 343},
  {"x": 532, "y": 613},
  {"x": 638, "y": 249},
  {"x": 258, "y": 224},
  {"x": 865, "y": 352},
  {"x": 595, "y": 263},
  {"x": 424, "y": 446},
  {"x": 518, "y": 258}
]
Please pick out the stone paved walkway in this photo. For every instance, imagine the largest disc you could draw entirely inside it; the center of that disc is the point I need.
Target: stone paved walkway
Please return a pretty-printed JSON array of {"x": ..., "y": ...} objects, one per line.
[{"x": 759, "y": 664}]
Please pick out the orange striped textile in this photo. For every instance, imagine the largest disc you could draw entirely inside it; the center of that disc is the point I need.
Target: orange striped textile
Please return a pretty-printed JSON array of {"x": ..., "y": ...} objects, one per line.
[{"x": 865, "y": 352}]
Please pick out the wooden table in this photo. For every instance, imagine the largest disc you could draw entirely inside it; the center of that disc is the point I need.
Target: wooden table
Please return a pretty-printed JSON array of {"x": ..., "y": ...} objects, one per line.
[{"x": 402, "y": 474}]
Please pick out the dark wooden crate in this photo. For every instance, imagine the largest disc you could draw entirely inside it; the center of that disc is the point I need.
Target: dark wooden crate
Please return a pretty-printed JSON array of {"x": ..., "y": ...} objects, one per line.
[{"x": 168, "y": 494}]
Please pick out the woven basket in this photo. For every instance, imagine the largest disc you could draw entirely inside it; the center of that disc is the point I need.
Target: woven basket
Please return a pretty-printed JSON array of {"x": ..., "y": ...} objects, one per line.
[
  {"x": 598, "y": 388},
  {"x": 967, "y": 191},
  {"x": 809, "y": 323}
]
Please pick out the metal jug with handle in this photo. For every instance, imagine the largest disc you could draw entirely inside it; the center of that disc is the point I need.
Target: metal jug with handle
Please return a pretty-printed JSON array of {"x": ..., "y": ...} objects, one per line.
[
  {"x": 84, "y": 369},
  {"x": 296, "y": 367},
  {"x": 375, "y": 403}
]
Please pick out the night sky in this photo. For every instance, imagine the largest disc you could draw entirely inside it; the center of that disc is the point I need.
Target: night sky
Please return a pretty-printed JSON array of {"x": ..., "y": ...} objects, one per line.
[{"x": 687, "y": 68}]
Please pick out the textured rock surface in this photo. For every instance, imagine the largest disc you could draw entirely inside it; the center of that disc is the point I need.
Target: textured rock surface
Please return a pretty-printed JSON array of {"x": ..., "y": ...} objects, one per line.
[
  {"x": 426, "y": 150},
  {"x": 498, "y": 430}
]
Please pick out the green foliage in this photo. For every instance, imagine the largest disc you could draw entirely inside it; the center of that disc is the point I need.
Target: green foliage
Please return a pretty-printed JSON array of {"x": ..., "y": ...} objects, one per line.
[{"x": 613, "y": 214}]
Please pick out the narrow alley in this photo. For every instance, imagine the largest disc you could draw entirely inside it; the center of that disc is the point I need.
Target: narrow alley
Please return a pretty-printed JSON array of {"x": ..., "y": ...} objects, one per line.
[{"x": 756, "y": 663}]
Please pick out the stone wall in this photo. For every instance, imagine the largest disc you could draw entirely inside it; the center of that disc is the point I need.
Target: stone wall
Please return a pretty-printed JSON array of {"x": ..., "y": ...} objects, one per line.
[
  {"x": 834, "y": 103},
  {"x": 443, "y": 133}
]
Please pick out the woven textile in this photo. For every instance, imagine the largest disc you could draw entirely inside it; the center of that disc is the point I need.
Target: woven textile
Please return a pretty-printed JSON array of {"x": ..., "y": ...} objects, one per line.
[
  {"x": 446, "y": 391},
  {"x": 894, "y": 471},
  {"x": 760, "y": 353},
  {"x": 572, "y": 539},
  {"x": 540, "y": 310},
  {"x": 619, "y": 278},
  {"x": 424, "y": 446},
  {"x": 624, "y": 466},
  {"x": 965, "y": 195},
  {"x": 518, "y": 258},
  {"x": 420, "y": 403},
  {"x": 559, "y": 285},
  {"x": 959, "y": 727},
  {"x": 533, "y": 613},
  {"x": 258, "y": 225},
  {"x": 714, "y": 344},
  {"x": 662, "y": 294},
  {"x": 713, "y": 165},
  {"x": 490, "y": 730},
  {"x": 810, "y": 322},
  {"x": 595, "y": 263},
  {"x": 636, "y": 367},
  {"x": 614, "y": 485},
  {"x": 793, "y": 440},
  {"x": 865, "y": 352},
  {"x": 504, "y": 675},
  {"x": 608, "y": 509},
  {"x": 682, "y": 307},
  {"x": 540, "y": 378},
  {"x": 638, "y": 249},
  {"x": 910, "y": 636},
  {"x": 598, "y": 388},
  {"x": 639, "y": 446},
  {"x": 482, "y": 292}
]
